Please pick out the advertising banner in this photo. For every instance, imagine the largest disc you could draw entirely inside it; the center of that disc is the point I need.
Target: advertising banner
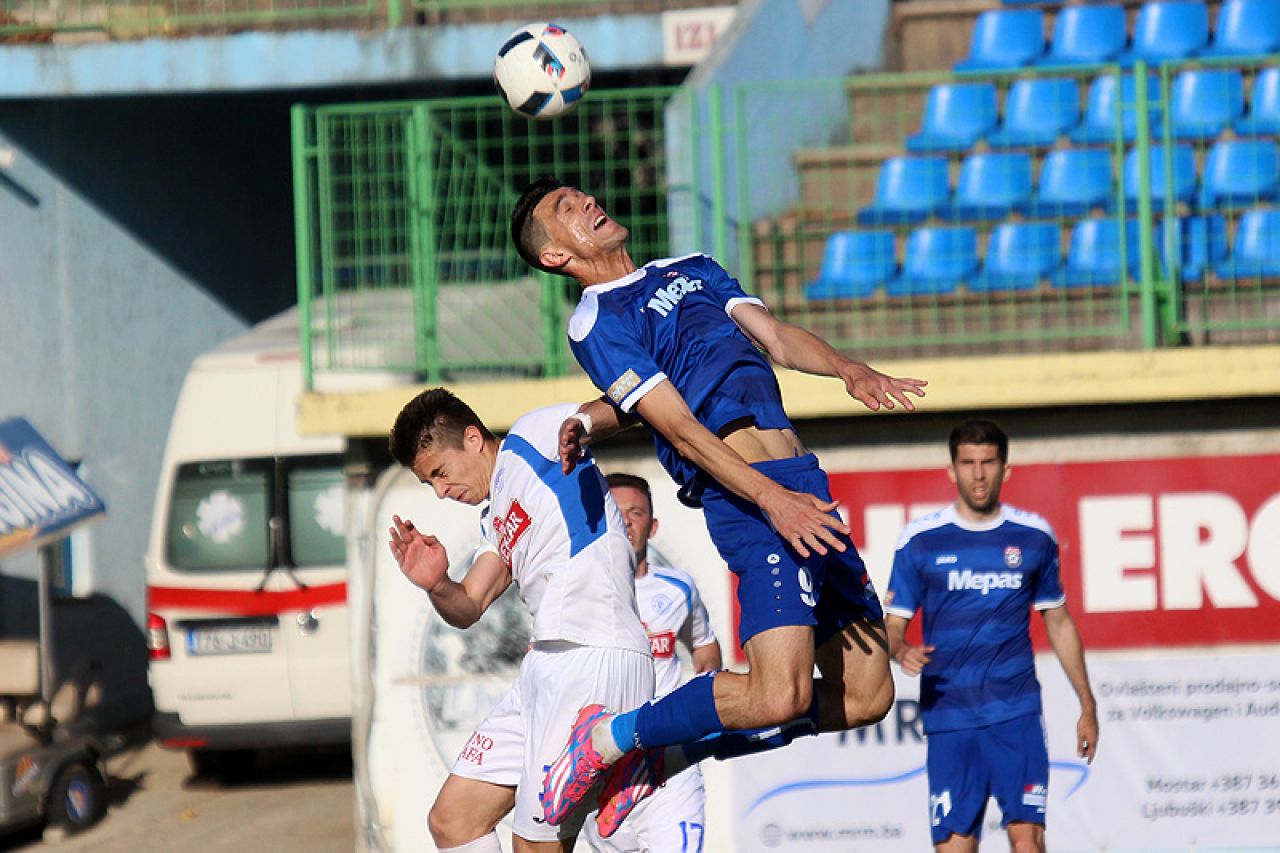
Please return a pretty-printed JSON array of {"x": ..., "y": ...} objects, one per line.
[{"x": 41, "y": 498}]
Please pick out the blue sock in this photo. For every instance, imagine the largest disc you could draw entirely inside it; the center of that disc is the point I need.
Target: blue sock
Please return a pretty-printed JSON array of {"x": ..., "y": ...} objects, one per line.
[
  {"x": 733, "y": 744},
  {"x": 685, "y": 714}
]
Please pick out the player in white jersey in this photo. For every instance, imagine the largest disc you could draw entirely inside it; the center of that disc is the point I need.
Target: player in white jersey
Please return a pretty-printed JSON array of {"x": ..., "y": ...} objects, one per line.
[
  {"x": 672, "y": 820},
  {"x": 561, "y": 539}
]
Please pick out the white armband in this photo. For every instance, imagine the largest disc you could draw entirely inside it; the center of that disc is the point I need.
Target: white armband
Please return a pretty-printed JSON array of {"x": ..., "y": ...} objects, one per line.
[{"x": 585, "y": 420}]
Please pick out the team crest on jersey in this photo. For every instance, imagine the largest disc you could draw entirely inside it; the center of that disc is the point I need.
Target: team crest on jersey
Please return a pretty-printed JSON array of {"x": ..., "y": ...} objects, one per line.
[
  {"x": 660, "y": 603},
  {"x": 663, "y": 645},
  {"x": 624, "y": 385},
  {"x": 1013, "y": 556},
  {"x": 510, "y": 528}
]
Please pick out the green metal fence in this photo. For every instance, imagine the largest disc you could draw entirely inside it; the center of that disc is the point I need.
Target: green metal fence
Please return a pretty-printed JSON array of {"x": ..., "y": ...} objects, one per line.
[
  {"x": 404, "y": 258},
  {"x": 36, "y": 20}
]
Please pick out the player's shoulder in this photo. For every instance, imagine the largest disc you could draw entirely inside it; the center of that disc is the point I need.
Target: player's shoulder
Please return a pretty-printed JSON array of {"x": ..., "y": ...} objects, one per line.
[
  {"x": 1026, "y": 518},
  {"x": 539, "y": 428},
  {"x": 603, "y": 299},
  {"x": 918, "y": 527},
  {"x": 673, "y": 577},
  {"x": 695, "y": 259}
]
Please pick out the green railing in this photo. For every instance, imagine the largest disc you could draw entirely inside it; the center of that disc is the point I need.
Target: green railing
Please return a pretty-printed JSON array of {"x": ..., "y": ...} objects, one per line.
[
  {"x": 36, "y": 20},
  {"x": 404, "y": 257}
]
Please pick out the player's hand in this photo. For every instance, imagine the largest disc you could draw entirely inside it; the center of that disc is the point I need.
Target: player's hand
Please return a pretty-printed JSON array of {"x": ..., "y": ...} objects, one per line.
[
  {"x": 422, "y": 558},
  {"x": 572, "y": 443},
  {"x": 1087, "y": 736},
  {"x": 874, "y": 389},
  {"x": 805, "y": 521},
  {"x": 914, "y": 658}
]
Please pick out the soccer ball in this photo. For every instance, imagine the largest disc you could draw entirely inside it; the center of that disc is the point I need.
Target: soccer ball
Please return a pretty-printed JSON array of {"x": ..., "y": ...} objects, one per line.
[{"x": 542, "y": 71}]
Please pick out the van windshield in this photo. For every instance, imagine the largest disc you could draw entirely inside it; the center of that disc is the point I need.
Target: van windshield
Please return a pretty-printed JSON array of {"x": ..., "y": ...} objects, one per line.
[{"x": 218, "y": 519}]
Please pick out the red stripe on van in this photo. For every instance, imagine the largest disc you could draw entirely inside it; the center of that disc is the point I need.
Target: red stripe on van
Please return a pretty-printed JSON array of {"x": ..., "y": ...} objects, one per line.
[{"x": 245, "y": 602}]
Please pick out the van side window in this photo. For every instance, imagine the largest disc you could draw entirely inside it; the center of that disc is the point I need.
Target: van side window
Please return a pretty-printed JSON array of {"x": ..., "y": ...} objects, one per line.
[
  {"x": 218, "y": 519},
  {"x": 316, "y": 510}
]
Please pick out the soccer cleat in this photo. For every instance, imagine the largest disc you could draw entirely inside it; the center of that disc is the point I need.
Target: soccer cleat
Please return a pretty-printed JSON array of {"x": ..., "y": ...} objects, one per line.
[
  {"x": 571, "y": 776},
  {"x": 637, "y": 775}
]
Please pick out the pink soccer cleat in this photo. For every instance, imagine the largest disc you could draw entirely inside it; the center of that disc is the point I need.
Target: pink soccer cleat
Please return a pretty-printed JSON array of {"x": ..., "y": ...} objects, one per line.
[
  {"x": 571, "y": 776},
  {"x": 637, "y": 775}
]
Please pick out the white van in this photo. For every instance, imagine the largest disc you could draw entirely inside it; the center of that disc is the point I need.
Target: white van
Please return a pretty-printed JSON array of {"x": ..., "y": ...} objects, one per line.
[{"x": 246, "y": 564}]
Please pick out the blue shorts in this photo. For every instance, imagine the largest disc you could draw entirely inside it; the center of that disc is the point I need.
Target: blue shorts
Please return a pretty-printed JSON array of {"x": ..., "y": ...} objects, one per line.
[
  {"x": 775, "y": 586},
  {"x": 1008, "y": 761}
]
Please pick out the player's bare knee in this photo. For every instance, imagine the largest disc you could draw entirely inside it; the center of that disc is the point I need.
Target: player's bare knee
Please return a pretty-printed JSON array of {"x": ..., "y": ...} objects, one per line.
[
  {"x": 781, "y": 703},
  {"x": 879, "y": 702}
]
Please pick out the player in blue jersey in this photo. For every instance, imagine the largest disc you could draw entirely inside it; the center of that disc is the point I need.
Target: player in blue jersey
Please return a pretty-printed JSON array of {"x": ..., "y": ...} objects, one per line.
[
  {"x": 674, "y": 344},
  {"x": 974, "y": 571}
]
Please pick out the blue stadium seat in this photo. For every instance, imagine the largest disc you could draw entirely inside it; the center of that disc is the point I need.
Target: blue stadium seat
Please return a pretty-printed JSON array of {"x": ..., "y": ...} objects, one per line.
[
  {"x": 1019, "y": 256},
  {"x": 1184, "y": 176},
  {"x": 1246, "y": 28},
  {"x": 956, "y": 115},
  {"x": 1264, "y": 107},
  {"x": 1085, "y": 35},
  {"x": 908, "y": 191},
  {"x": 1094, "y": 257},
  {"x": 1168, "y": 29},
  {"x": 1257, "y": 250},
  {"x": 1005, "y": 38},
  {"x": 1241, "y": 172},
  {"x": 1073, "y": 182},
  {"x": 854, "y": 264},
  {"x": 991, "y": 186},
  {"x": 1099, "y": 123},
  {"x": 1205, "y": 101},
  {"x": 1037, "y": 112},
  {"x": 1202, "y": 245},
  {"x": 937, "y": 260}
]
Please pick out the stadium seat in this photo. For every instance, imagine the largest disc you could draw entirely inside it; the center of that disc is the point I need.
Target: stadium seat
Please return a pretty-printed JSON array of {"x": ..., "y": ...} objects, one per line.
[
  {"x": 1264, "y": 108},
  {"x": 1168, "y": 29},
  {"x": 1202, "y": 245},
  {"x": 1073, "y": 182},
  {"x": 991, "y": 186},
  {"x": 937, "y": 260},
  {"x": 908, "y": 191},
  {"x": 1257, "y": 249},
  {"x": 854, "y": 264},
  {"x": 956, "y": 115},
  {"x": 1005, "y": 38},
  {"x": 1086, "y": 35},
  {"x": 1246, "y": 28},
  {"x": 1241, "y": 172},
  {"x": 1205, "y": 101},
  {"x": 1184, "y": 176},
  {"x": 1037, "y": 112},
  {"x": 1019, "y": 256},
  {"x": 1099, "y": 123},
  {"x": 1094, "y": 257}
]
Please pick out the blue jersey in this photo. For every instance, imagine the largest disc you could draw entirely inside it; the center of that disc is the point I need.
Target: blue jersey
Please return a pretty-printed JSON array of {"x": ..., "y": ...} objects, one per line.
[
  {"x": 975, "y": 585},
  {"x": 671, "y": 319}
]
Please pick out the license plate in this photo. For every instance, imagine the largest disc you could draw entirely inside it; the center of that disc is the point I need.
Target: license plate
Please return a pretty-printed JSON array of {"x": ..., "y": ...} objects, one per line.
[{"x": 237, "y": 640}]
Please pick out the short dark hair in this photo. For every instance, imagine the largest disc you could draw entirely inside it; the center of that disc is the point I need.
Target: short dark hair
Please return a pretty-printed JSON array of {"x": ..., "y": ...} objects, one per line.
[
  {"x": 526, "y": 232},
  {"x": 435, "y": 415},
  {"x": 979, "y": 431},
  {"x": 619, "y": 479}
]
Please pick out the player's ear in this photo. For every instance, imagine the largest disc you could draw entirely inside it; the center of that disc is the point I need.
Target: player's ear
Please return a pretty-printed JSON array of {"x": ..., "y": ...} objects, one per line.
[
  {"x": 553, "y": 258},
  {"x": 472, "y": 438},
  {"x": 951, "y": 473},
  {"x": 653, "y": 528},
  {"x": 1008, "y": 472}
]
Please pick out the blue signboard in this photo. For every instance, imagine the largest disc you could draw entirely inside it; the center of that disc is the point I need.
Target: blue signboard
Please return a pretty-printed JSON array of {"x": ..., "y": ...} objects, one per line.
[{"x": 41, "y": 498}]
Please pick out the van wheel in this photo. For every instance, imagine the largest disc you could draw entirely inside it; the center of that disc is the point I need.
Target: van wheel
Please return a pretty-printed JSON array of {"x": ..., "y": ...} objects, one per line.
[
  {"x": 221, "y": 763},
  {"x": 78, "y": 798}
]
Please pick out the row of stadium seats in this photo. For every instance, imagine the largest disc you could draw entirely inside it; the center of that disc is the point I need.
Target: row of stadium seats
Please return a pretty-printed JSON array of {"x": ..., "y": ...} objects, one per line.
[
  {"x": 1020, "y": 255},
  {"x": 1093, "y": 34},
  {"x": 1038, "y": 112},
  {"x": 993, "y": 185}
]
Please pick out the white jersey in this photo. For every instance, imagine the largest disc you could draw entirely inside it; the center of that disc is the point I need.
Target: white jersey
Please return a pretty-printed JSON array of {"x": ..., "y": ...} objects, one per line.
[
  {"x": 563, "y": 538},
  {"x": 672, "y": 611}
]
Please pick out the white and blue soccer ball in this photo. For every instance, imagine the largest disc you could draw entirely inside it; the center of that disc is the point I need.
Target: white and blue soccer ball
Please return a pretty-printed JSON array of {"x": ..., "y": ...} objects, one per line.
[{"x": 542, "y": 71}]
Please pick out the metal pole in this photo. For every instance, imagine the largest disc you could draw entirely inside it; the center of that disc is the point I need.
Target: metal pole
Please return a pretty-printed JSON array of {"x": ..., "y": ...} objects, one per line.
[
  {"x": 44, "y": 608},
  {"x": 1147, "y": 294},
  {"x": 302, "y": 236}
]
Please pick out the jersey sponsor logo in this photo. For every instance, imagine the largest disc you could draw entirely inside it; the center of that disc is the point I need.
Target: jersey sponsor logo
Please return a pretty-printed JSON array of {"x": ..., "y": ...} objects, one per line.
[
  {"x": 477, "y": 748},
  {"x": 946, "y": 560},
  {"x": 983, "y": 582},
  {"x": 1013, "y": 556},
  {"x": 510, "y": 529},
  {"x": 1035, "y": 796},
  {"x": 667, "y": 297},
  {"x": 663, "y": 645},
  {"x": 623, "y": 386}
]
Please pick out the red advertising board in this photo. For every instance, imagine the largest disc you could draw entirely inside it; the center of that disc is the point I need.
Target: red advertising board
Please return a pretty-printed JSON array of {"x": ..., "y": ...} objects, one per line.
[{"x": 1155, "y": 552}]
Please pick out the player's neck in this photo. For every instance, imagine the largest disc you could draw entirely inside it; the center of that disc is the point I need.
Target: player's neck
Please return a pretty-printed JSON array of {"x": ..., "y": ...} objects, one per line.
[
  {"x": 642, "y": 568},
  {"x": 972, "y": 516},
  {"x": 605, "y": 268}
]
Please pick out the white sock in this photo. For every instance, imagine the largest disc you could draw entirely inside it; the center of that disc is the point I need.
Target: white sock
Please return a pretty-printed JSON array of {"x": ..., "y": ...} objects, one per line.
[
  {"x": 485, "y": 844},
  {"x": 602, "y": 740}
]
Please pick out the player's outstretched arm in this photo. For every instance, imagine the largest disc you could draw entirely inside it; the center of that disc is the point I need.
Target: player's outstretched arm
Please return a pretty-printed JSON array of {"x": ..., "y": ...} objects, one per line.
[
  {"x": 912, "y": 658},
  {"x": 605, "y": 421},
  {"x": 1065, "y": 640},
  {"x": 803, "y": 520},
  {"x": 425, "y": 562},
  {"x": 799, "y": 349}
]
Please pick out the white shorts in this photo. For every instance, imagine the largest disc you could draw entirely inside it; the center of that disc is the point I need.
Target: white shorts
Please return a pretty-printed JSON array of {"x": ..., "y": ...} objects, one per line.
[
  {"x": 529, "y": 727},
  {"x": 670, "y": 821}
]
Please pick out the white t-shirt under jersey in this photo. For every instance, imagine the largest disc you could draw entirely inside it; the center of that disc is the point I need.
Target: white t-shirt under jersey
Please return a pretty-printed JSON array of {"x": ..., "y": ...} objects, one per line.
[
  {"x": 672, "y": 611},
  {"x": 564, "y": 539}
]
